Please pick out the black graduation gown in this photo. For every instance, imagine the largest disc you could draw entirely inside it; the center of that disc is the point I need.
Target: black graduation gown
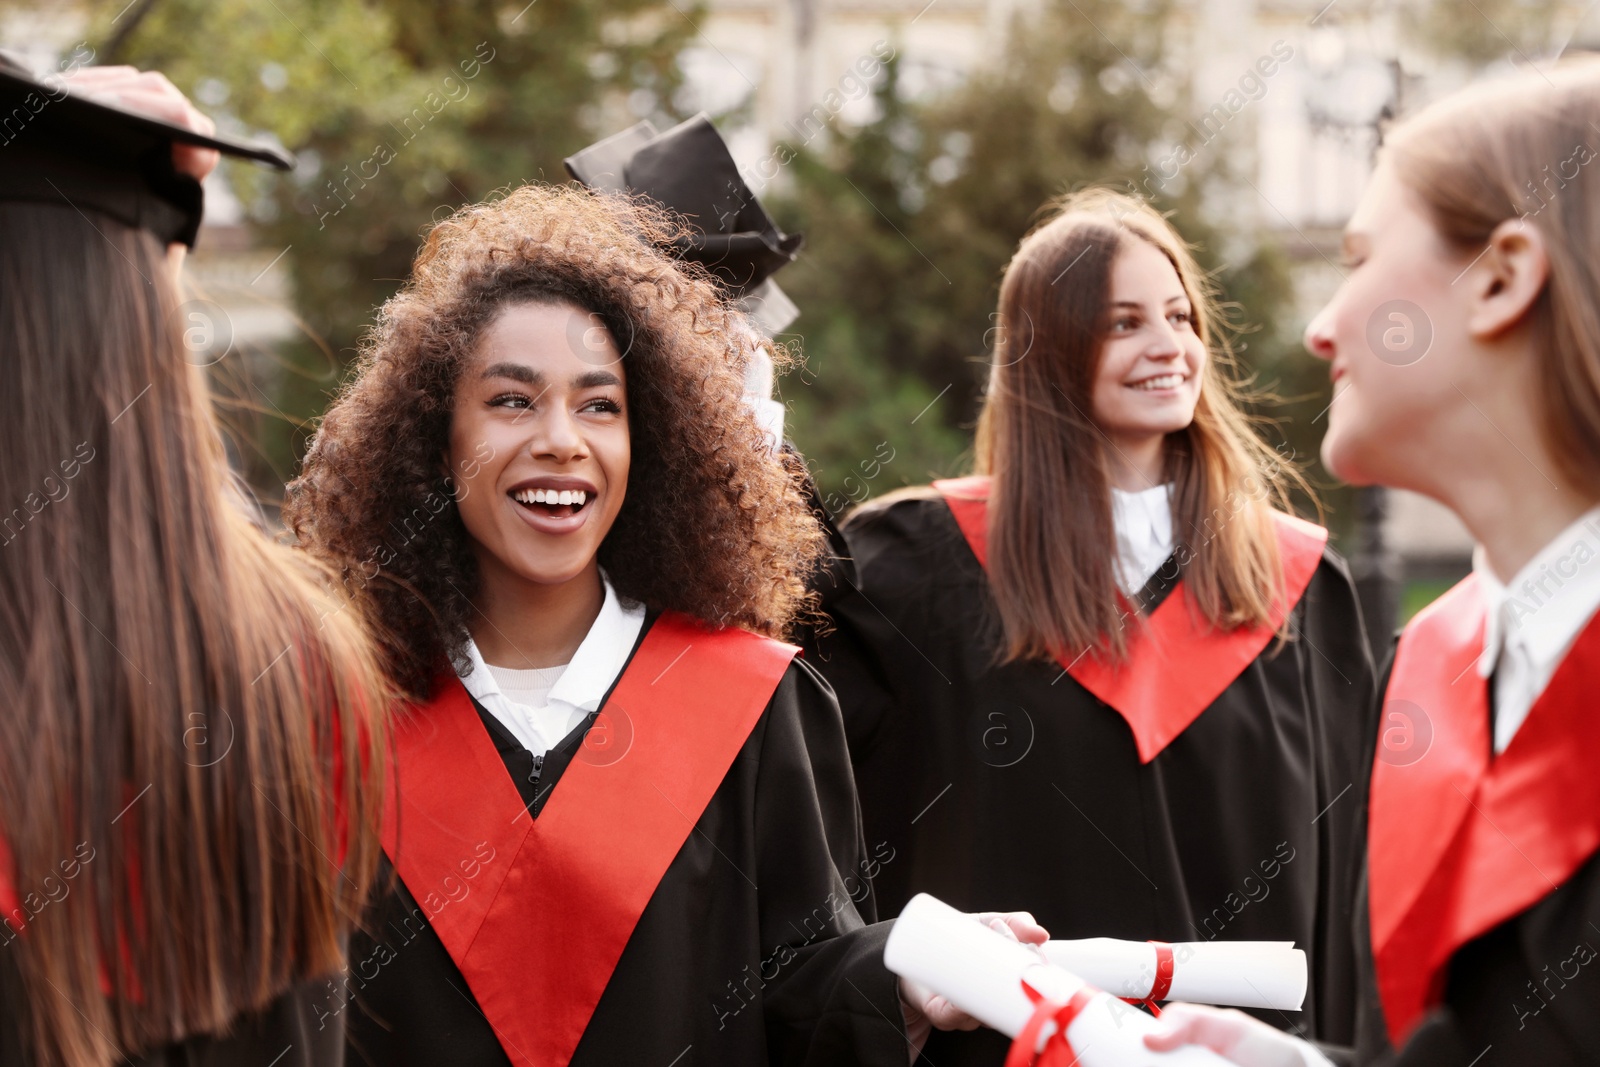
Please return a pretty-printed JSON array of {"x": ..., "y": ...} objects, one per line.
[
  {"x": 289, "y": 1032},
  {"x": 824, "y": 581},
  {"x": 1015, "y": 788},
  {"x": 1525, "y": 990},
  {"x": 752, "y": 949}
]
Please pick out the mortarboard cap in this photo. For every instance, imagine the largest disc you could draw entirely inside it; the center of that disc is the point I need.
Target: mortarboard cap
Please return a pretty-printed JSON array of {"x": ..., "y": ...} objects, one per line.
[
  {"x": 690, "y": 170},
  {"x": 62, "y": 148}
]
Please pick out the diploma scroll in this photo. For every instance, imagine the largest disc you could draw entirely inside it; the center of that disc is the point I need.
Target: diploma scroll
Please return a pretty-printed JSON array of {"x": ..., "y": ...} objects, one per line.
[
  {"x": 1241, "y": 974},
  {"x": 982, "y": 973}
]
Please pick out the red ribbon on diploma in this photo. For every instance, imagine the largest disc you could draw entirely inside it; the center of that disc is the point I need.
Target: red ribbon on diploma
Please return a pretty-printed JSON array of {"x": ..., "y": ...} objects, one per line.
[
  {"x": 1163, "y": 983},
  {"x": 1057, "y": 1051}
]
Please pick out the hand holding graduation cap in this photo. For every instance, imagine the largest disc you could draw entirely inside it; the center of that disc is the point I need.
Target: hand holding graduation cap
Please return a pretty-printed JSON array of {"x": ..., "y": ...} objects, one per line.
[
  {"x": 118, "y": 141},
  {"x": 150, "y": 93}
]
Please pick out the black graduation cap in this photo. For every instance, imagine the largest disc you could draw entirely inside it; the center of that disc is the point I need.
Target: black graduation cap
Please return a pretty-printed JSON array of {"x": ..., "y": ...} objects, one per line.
[
  {"x": 62, "y": 148},
  {"x": 691, "y": 171}
]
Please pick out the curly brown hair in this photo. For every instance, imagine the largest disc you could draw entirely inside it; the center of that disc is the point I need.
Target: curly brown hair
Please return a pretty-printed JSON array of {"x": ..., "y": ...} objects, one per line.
[{"x": 714, "y": 523}]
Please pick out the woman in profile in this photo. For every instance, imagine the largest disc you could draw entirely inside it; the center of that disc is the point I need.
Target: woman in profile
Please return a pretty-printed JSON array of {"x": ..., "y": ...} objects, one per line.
[
  {"x": 189, "y": 750},
  {"x": 1478, "y": 237},
  {"x": 1109, "y": 678}
]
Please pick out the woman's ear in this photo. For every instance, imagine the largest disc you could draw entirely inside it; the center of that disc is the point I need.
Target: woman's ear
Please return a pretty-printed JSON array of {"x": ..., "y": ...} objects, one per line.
[{"x": 1507, "y": 278}]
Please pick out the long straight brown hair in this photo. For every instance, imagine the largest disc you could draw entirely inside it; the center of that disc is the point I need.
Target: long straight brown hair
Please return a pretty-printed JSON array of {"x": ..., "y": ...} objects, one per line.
[
  {"x": 1051, "y": 533},
  {"x": 1525, "y": 146},
  {"x": 190, "y": 720}
]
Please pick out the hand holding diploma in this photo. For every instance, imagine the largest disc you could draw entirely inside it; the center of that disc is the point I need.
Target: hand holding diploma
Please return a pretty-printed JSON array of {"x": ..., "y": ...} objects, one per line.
[
  {"x": 935, "y": 1011},
  {"x": 1244, "y": 974},
  {"x": 998, "y": 981},
  {"x": 925, "y": 1011}
]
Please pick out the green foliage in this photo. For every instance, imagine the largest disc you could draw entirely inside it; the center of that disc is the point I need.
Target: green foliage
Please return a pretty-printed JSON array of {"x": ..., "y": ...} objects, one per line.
[
  {"x": 403, "y": 109},
  {"x": 911, "y": 218},
  {"x": 400, "y": 110}
]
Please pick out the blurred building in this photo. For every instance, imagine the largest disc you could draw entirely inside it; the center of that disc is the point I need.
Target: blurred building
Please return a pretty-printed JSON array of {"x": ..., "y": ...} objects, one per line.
[{"x": 779, "y": 70}]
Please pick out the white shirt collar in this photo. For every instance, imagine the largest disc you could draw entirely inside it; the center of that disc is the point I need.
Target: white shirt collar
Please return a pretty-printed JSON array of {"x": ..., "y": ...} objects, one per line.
[
  {"x": 599, "y": 660},
  {"x": 1143, "y": 521},
  {"x": 595, "y": 666},
  {"x": 1533, "y": 619},
  {"x": 1546, "y": 604}
]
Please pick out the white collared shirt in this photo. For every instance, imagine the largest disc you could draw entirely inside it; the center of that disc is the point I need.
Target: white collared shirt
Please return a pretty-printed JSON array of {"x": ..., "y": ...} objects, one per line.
[
  {"x": 758, "y": 395},
  {"x": 1535, "y": 617},
  {"x": 584, "y": 682},
  {"x": 1143, "y": 522}
]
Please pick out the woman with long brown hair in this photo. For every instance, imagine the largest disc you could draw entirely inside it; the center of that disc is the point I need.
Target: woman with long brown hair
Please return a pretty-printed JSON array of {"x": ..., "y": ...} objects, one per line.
[
  {"x": 624, "y": 827},
  {"x": 1474, "y": 260},
  {"x": 189, "y": 752},
  {"x": 1109, "y": 677}
]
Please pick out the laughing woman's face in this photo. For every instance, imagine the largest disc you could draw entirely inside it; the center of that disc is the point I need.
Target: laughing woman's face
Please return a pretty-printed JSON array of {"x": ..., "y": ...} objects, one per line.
[
  {"x": 1152, "y": 362},
  {"x": 539, "y": 446}
]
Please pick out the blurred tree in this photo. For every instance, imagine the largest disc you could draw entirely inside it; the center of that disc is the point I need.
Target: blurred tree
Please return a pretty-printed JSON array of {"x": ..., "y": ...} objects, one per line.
[
  {"x": 400, "y": 110},
  {"x": 870, "y": 387},
  {"x": 911, "y": 218}
]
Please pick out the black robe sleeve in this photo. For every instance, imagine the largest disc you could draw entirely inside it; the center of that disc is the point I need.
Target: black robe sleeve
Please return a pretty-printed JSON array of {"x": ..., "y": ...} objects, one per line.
[
  {"x": 836, "y": 573},
  {"x": 290, "y": 1032},
  {"x": 1013, "y": 787},
  {"x": 286, "y": 1033},
  {"x": 753, "y": 948},
  {"x": 834, "y": 1000}
]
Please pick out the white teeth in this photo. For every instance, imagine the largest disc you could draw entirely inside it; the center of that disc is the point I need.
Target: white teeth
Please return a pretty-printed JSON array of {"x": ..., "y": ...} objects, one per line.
[
  {"x": 1165, "y": 381},
  {"x": 575, "y": 497}
]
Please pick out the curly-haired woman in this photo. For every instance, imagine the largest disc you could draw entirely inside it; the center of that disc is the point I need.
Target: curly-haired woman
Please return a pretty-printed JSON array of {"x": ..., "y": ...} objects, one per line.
[{"x": 626, "y": 828}]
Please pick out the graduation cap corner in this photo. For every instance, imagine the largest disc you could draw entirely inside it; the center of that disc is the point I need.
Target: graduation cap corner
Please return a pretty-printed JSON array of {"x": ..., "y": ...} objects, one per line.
[
  {"x": 690, "y": 170},
  {"x": 61, "y": 147}
]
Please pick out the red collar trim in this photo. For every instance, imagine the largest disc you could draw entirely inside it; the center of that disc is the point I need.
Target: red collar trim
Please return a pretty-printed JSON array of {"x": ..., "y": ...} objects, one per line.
[
  {"x": 501, "y": 889},
  {"x": 1177, "y": 664},
  {"x": 1459, "y": 843}
]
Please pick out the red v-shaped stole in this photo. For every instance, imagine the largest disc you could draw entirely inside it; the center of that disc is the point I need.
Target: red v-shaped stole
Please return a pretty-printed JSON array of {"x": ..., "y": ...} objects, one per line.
[
  {"x": 536, "y": 912},
  {"x": 1459, "y": 843},
  {"x": 1177, "y": 665}
]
